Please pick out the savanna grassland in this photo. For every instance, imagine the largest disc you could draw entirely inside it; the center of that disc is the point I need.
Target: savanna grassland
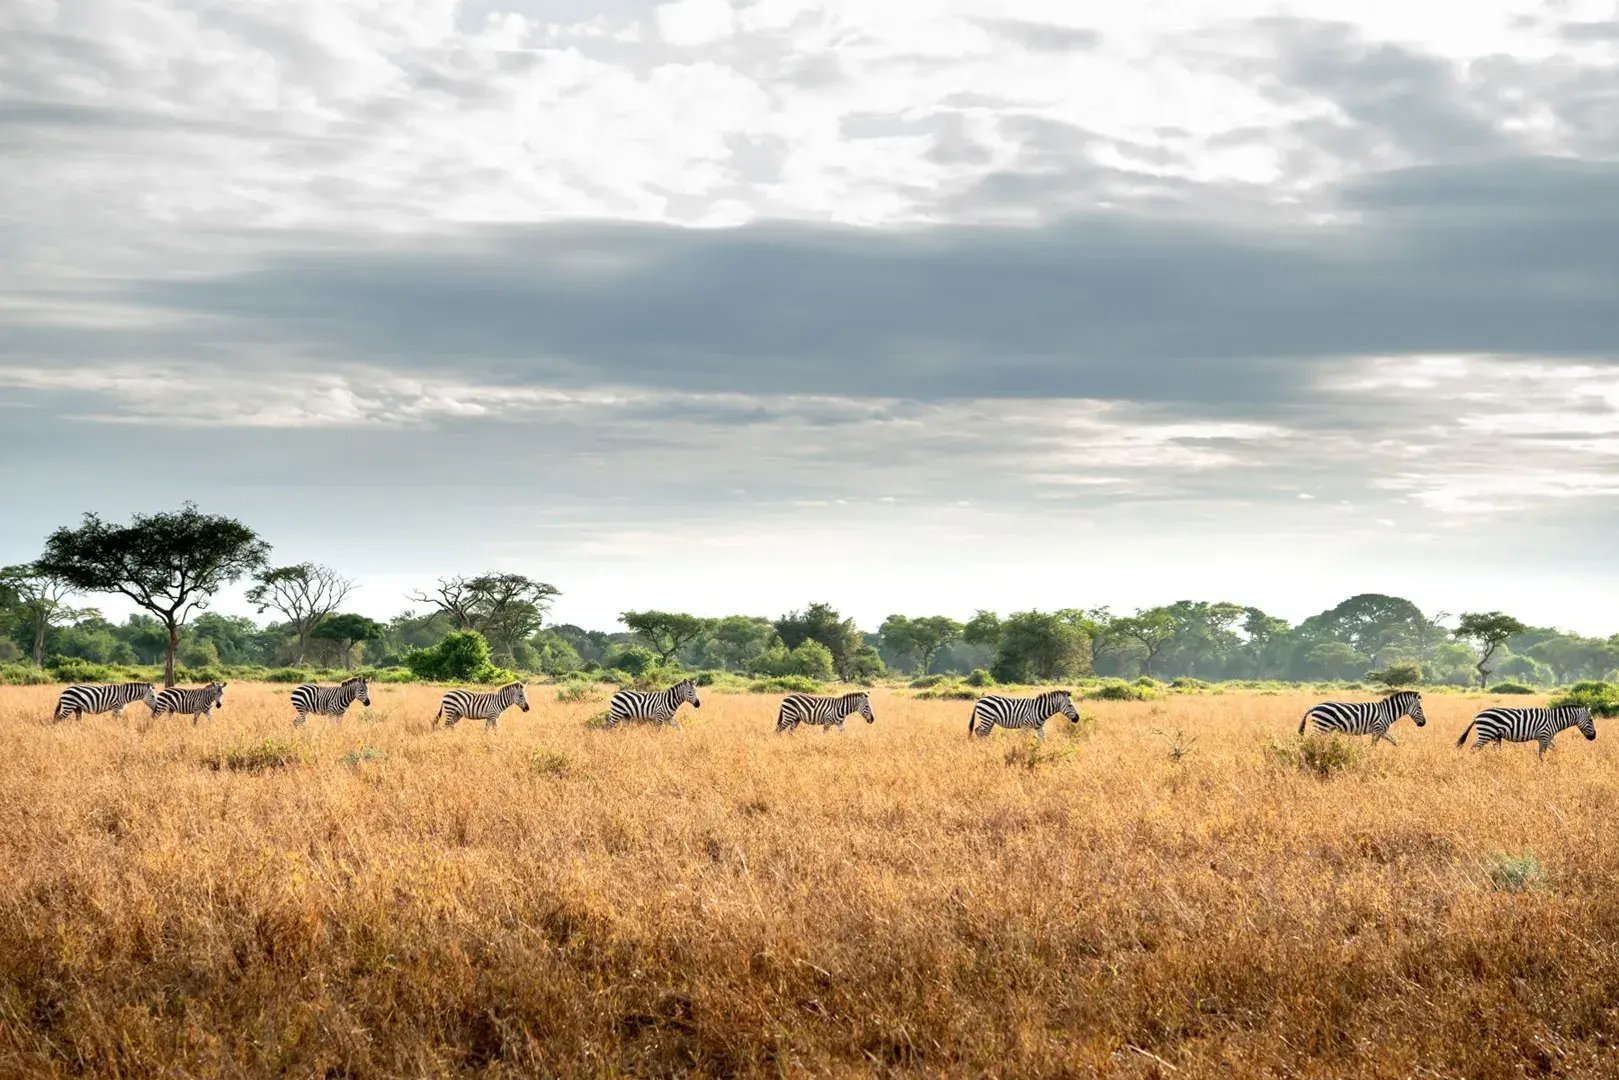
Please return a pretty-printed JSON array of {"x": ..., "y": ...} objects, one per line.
[{"x": 376, "y": 898}]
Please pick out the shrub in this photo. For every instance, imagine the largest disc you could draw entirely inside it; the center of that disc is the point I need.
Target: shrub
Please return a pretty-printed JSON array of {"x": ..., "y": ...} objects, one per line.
[
  {"x": 1187, "y": 683},
  {"x": 1036, "y": 753},
  {"x": 632, "y": 659},
  {"x": 927, "y": 682},
  {"x": 1147, "y": 682},
  {"x": 463, "y": 656},
  {"x": 200, "y": 675},
  {"x": 1324, "y": 757},
  {"x": 366, "y": 753},
  {"x": 596, "y": 721},
  {"x": 256, "y": 757},
  {"x": 1119, "y": 691},
  {"x": 950, "y": 691},
  {"x": 1601, "y": 698},
  {"x": 1397, "y": 675},
  {"x": 71, "y": 669},
  {"x": 574, "y": 691},
  {"x": 980, "y": 678},
  {"x": 1511, "y": 688},
  {"x": 786, "y": 684},
  {"x": 1516, "y": 873},
  {"x": 285, "y": 675},
  {"x": 550, "y": 763},
  {"x": 23, "y": 675}
]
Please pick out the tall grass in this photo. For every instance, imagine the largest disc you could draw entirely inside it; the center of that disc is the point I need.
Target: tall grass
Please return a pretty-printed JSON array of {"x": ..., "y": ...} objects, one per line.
[{"x": 551, "y": 900}]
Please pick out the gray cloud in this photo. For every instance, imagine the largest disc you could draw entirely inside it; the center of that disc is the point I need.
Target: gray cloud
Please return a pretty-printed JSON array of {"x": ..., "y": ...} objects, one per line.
[{"x": 1043, "y": 37}]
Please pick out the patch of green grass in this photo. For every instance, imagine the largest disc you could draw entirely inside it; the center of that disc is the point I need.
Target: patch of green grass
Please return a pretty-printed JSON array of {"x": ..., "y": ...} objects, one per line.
[
  {"x": 550, "y": 763},
  {"x": 575, "y": 691},
  {"x": 366, "y": 753},
  {"x": 1516, "y": 873}
]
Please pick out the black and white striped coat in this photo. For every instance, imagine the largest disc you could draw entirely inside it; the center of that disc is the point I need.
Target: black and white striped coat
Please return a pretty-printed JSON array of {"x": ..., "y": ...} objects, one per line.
[
  {"x": 1503, "y": 724},
  {"x": 1025, "y": 713},
  {"x": 656, "y": 705},
  {"x": 486, "y": 706},
  {"x": 828, "y": 712},
  {"x": 331, "y": 701},
  {"x": 196, "y": 702},
  {"x": 1372, "y": 718},
  {"x": 78, "y": 700}
]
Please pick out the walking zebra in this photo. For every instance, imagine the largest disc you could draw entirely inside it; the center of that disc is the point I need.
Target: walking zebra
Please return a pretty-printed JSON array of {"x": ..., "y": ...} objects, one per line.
[
  {"x": 486, "y": 707},
  {"x": 78, "y": 700},
  {"x": 1372, "y": 718},
  {"x": 331, "y": 701},
  {"x": 1522, "y": 725},
  {"x": 658, "y": 705},
  {"x": 195, "y": 702},
  {"x": 1011, "y": 712},
  {"x": 829, "y": 712}
]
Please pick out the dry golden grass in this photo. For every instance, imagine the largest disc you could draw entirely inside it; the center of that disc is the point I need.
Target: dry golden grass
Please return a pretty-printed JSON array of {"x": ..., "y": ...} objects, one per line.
[{"x": 553, "y": 900}]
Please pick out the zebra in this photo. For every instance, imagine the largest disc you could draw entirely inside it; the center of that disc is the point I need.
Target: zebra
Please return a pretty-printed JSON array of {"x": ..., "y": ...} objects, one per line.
[
  {"x": 828, "y": 712},
  {"x": 78, "y": 700},
  {"x": 486, "y": 707},
  {"x": 1011, "y": 712},
  {"x": 658, "y": 705},
  {"x": 195, "y": 702},
  {"x": 1500, "y": 725},
  {"x": 331, "y": 701},
  {"x": 1372, "y": 718}
]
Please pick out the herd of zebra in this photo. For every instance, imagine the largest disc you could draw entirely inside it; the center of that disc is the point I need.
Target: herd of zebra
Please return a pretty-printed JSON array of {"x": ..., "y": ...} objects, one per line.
[{"x": 1374, "y": 718}]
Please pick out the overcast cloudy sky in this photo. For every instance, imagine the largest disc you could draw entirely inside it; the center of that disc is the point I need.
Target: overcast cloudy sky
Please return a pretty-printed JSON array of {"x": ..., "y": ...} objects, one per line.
[{"x": 920, "y": 307}]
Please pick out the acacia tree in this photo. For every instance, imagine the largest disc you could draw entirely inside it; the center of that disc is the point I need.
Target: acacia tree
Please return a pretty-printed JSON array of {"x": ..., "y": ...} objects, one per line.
[
  {"x": 921, "y": 637},
  {"x": 171, "y": 564},
  {"x": 1488, "y": 631},
  {"x": 303, "y": 594},
  {"x": 1151, "y": 628},
  {"x": 42, "y": 599},
  {"x": 667, "y": 632},
  {"x": 348, "y": 631},
  {"x": 504, "y": 608}
]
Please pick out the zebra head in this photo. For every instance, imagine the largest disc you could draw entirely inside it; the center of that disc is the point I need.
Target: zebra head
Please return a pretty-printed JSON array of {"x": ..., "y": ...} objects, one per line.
[
  {"x": 517, "y": 694},
  {"x": 362, "y": 692},
  {"x": 216, "y": 690},
  {"x": 1408, "y": 703},
  {"x": 149, "y": 697},
  {"x": 1588, "y": 727},
  {"x": 686, "y": 690},
  {"x": 863, "y": 707},
  {"x": 1062, "y": 701}
]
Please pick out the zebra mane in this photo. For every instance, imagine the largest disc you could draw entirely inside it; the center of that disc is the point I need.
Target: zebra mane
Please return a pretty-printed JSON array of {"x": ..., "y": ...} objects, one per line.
[
  {"x": 354, "y": 680},
  {"x": 1402, "y": 695}
]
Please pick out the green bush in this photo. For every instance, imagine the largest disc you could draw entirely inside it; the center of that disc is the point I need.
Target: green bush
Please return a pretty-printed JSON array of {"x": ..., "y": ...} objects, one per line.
[
  {"x": 1602, "y": 698},
  {"x": 950, "y": 691},
  {"x": 1516, "y": 873},
  {"x": 1188, "y": 684},
  {"x": 1147, "y": 682},
  {"x": 980, "y": 678},
  {"x": 632, "y": 659},
  {"x": 786, "y": 684},
  {"x": 1511, "y": 688},
  {"x": 285, "y": 675},
  {"x": 366, "y": 753},
  {"x": 1119, "y": 691},
  {"x": 71, "y": 669},
  {"x": 550, "y": 763},
  {"x": 200, "y": 675},
  {"x": 927, "y": 682},
  {"x": 1322, "y": 756},
  {"x": 463, "y": 656},
  {"x": 574, "y": 691},
  {"x": 23, "y": 675},
  {"x": 1398, "y": 675}
]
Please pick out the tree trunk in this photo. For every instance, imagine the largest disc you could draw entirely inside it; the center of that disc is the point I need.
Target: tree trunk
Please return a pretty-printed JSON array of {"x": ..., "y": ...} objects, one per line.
[
  {"x": 39, "y": 644},
  {"x": 174, "y": 647}
]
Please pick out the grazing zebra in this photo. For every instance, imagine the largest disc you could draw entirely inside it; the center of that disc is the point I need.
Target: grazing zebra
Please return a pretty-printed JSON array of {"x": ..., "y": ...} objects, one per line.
[
  {"x": 1372, "y": 718},
  {"x": 1011, "y": 712},
  {"x": 829, "y": 712},
  {"x": 659, "y": 705},
  {"x": 195, "y": 702},
  {"x": 486, "y": 707},
  {"x": 78, "y": 700},
  {"x": 331, "y": 701},
  {"x": 1522, "y": 725}
]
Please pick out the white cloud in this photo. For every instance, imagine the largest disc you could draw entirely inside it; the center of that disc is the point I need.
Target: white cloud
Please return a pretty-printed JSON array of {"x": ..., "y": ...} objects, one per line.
[{"x": 690, "y": 23}]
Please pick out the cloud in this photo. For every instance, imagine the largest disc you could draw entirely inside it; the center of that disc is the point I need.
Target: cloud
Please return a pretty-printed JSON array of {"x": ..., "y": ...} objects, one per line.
[{"x": 690, "y": 23}]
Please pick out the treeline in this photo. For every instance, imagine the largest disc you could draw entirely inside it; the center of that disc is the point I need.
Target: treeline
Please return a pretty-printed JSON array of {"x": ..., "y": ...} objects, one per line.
[{"x": 172, "y": 564}]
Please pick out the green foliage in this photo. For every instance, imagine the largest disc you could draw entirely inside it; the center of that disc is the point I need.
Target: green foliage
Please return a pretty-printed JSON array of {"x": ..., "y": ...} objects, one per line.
[
  {"x": 68, "y": 669},
  {"x": 505, "y": 608},
  {"x": 632, "y": 660},
  {"x": 1516, "y": 873},
  {"x": 257, "y": 757},
  {"x": 23, "y": 675},
  {"x": 980, "y": 679},
  {"x": 1147, "y": 682},
  {"x": 199, "y": 654},
  {"x": 734, "y": 641},
  {"x": 1116, "y": 690},
  {"x": 821, "y": 623},
  {"x": 1488, "y": 630},
  {"x": 1187, "y": 684},
  {"x": 1036, "y": 646},
  {"x": 1511, "y": 688},
  {"x": 463, "y": 656},
  {"x": 285, "y": 675},
  {"x": 354, "y": 758},
  {"x": 574, "y": 691},
  {"x": 667, "y": 632},
  {"x": 786, "y": 684},
  {"x": 1602, "y": 698},
  {"x": 1320, "y": 756},
  {"x": 9, "y": 652},
  {"x": 1397, "y": 675},
  {"x": 927, "y": 682},
  {"x": 950, "y": 690},
  {"x": 348, "y": 630},
  {"x": 809, "y": 659},
  {"x": 919, "y": 639},
  {"x": 552, "y": 763},
  {"x": 211, "y": 673}
]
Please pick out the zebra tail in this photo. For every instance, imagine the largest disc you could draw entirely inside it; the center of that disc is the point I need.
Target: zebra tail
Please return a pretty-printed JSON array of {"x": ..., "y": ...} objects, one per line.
[
  {"x": 1305, "y": 719},
  {"x": 438, "y": 716},
  {"x": 1463, "y": 740}
]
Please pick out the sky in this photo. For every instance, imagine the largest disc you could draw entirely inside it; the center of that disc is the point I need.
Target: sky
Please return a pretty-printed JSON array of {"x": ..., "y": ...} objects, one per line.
[{"x": 737, "y": 305}]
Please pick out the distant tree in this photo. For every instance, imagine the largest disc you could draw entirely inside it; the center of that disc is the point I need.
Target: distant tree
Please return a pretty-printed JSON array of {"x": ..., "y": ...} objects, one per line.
[
  {"x": 919, "y": 638},
  {"x": 667, "y": 632},
  {"x": 632, "y": 659},
  {"x": 303, "y": 594},
  {"x": 233, "y": 637},
  {"x": 41, "y": 601},
  {"x": 348, "y": 631},
  {"x": 1151, "y": 629},
  {"x": 505, "y": 608},
  {"x": 984, "y": 628},
  {"x": 1488, "y": 631},
  {"x": 812, "y": 660},
  {"x": 1397, "y": 675},
  {"x": 733, "y": 641},
  {"x": 822, "y": 623},
  {"x": 1039, "y": 645},
  {"x": 171, "y": 564},
  {"x": 1377, "y": 626},
  {"x": 462, "y": 656},
  {"x": 1337, "y": 659}
]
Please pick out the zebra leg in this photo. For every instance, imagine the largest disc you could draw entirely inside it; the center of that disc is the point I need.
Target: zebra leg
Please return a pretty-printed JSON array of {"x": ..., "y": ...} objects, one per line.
[
  {"x": 299, "y": 719},
  {"x": 118, "y": 712},
  {"x": 1040, "y": 733},
  {"x": 1545, "y": 745}
]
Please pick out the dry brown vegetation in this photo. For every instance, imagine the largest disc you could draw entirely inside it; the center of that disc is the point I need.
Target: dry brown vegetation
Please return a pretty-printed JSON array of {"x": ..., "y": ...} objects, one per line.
[{"x": 375, "y": 898}]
